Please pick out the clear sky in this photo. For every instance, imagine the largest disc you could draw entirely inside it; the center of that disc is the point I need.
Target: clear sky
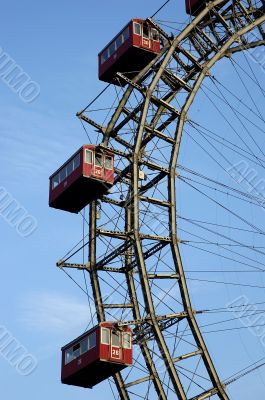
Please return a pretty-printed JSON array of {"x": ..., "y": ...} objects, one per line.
[{"x": 56, "y": 44}]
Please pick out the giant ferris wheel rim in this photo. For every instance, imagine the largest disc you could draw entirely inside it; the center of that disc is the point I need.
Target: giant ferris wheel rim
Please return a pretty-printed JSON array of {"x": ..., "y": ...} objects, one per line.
[{"x": 202, "y": 69}]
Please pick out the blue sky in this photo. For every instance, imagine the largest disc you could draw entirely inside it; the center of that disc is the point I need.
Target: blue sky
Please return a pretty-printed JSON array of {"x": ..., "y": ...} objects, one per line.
[{"x": 56, "y": 44}]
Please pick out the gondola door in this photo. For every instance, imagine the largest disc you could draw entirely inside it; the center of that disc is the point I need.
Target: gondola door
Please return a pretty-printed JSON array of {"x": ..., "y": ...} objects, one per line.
[
  {"x": 115, "y": 346},
  {"x": 98, "y": 168},
  {"x": 146, "y": 42}
]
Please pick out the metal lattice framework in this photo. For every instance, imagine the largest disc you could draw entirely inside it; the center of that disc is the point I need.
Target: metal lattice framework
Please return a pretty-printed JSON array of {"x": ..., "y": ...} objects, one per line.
[{"x": 134, "y": 247}]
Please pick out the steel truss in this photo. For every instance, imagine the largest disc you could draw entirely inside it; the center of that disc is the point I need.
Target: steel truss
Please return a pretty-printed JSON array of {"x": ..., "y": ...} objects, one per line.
[{"x": 134, "y": 247}]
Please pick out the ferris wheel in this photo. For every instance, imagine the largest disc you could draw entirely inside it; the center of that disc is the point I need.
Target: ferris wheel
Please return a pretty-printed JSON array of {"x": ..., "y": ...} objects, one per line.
[{"x": 131, "y": 176}]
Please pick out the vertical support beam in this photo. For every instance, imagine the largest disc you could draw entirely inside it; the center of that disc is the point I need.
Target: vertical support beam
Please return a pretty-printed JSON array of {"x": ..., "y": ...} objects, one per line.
[
  {"x": 92, "y": 260},
  {"x": 147, "y": 295},
  {"x": 136, "y": 309},
  {"x": 96, "y": 287}
]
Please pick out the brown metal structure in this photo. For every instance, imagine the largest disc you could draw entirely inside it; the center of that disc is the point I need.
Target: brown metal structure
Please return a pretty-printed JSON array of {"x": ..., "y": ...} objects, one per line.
[{"x": 135, "y": 249}]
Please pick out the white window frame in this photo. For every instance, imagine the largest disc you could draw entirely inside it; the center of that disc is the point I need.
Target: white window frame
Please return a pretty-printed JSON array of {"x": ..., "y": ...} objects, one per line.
[
  {"x": 146, "y": 37},
  {"x": 123, "y": 341},
  {"x": 86, "y": 151},
  {"x": 102, "y": 160},
  {"x": 116, "y": 334},
  {"x": 135, "y": 24},
  {"x": 108, "y": 330},
  {"x": 153, "y": 30},
  {"x": 111, "y": 158}
]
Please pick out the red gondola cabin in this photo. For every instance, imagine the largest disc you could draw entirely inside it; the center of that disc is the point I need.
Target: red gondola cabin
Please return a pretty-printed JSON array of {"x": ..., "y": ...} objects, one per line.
[
  {"x": 194, "y": 7},
  {"x": 96, "y": 355},
  {"x": 87, "y": 175},
  {"x": 130, "y": 51}
]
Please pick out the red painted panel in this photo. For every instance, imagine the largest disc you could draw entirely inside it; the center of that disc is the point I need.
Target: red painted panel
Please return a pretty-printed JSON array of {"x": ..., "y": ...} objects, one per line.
[
  {"x": 156, "y": 46},
  {"x": 137, "y": 40},
  {"x": 115, "y": 353},
  {"x": 101, "y": 173},
  {"x": 104, "y": 352},
  {"x": 98, "y": 172},
  {"x": 87, "y": 168},
  {"x": 109, "y": 173},
  {"x": 145, "y": 43}
]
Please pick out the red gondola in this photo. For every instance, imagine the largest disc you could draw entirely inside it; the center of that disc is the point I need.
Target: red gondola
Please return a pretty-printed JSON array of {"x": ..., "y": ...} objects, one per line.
[
  {"x": 194, "y": 7},
  {"x": 96, "y": 355},
  {"x": 130, "y": 51},
  {"x": 86, "y": 176}
]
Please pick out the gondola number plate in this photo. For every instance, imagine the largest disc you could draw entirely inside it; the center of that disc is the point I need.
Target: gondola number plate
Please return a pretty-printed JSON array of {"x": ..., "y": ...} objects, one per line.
[{"x": 115, "y": 353}]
